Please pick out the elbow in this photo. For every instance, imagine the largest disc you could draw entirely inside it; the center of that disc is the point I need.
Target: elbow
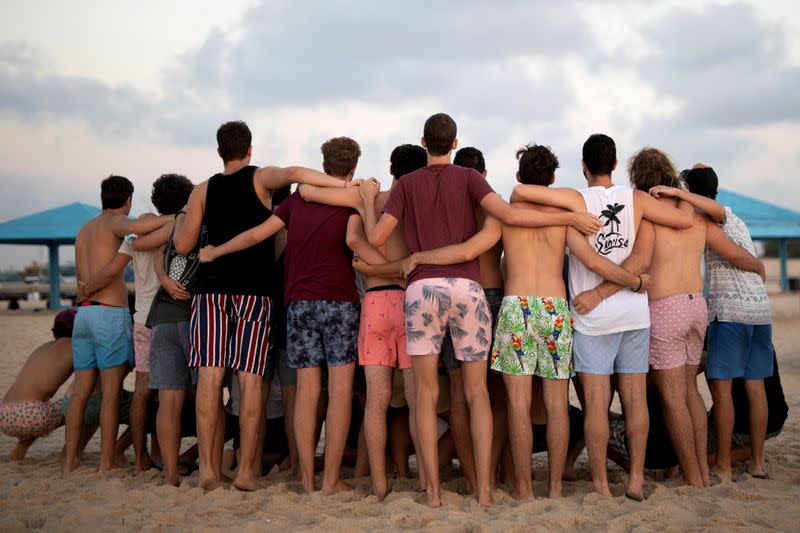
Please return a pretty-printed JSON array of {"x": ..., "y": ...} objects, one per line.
[
  {"x": 352, "y": 241},
  {"x": 303, "y": 190},
  {"x": 373, "y": 241},
  {"x": 181, "y": 247}
]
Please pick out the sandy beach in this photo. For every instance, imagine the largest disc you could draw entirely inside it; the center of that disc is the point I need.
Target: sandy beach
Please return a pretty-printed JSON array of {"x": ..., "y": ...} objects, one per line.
[{"x": 36, "y": 496}]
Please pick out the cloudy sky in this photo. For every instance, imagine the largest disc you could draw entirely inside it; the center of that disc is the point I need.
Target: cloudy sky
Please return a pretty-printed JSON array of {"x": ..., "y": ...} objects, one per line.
[{"x": 89, "y": 88}]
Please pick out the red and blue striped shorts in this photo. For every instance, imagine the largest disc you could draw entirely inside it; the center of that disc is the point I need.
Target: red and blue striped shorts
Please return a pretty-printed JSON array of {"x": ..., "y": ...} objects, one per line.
[{"x": 230, "y": 331}]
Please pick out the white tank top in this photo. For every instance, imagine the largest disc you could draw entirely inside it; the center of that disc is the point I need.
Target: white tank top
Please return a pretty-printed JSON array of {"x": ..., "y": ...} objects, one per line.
[{"x": 625, "y": 310}]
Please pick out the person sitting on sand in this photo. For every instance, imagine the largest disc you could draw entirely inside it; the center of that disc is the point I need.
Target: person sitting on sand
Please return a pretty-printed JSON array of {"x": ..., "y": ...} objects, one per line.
[{"x": 26, "y": 412}]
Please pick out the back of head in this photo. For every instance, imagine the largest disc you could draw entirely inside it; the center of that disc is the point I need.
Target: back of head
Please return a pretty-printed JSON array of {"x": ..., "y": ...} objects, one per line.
[
  {"x": 63, "y": 323},
  {"x": 537, "y": 165},
  {"x": 470, "y": 157},
  {"x": 170, "y": 193},
  {"x": 233, "y": 141},
  {"x": 599, "y": 154},
  {"x": 439, "y": 134},
  {"x": 407, "y": 158},
  {"x": 702, "y": 180},
  {"x": 115, "y": 191},
  {"x": 340, "y": 156},
  {"x": 650, "y": 167}
]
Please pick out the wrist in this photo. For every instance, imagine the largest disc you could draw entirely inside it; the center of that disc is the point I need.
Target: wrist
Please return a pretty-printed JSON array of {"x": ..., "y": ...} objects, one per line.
[{"x": 637, "y": 284}]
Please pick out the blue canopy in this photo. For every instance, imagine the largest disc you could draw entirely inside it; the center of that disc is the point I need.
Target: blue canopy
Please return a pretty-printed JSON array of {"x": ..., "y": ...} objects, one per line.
[
  {"x": 51, "y": 228},
  {"x": 765, "y": 221}
]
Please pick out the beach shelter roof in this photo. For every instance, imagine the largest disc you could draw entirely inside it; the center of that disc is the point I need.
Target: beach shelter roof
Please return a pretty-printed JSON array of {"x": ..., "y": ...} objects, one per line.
[
  {"x": 56, "y": 226},
  {"x": 765, "y": 221}
]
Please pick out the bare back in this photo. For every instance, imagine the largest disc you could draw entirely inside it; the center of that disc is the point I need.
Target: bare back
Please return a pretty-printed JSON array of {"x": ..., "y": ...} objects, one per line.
[
  {"x": 535, "y": 257},
  {"x": 489, "y": 261},
  {"x": 675, "y": 265},
  {"x": 393, "y": 249},
  {"x": 46, "y": 369},
  {"x": 95, "y": 246}
]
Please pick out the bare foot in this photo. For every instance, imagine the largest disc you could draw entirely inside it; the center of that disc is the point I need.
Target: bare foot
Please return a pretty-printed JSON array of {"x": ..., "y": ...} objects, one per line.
[
  {"x": 569, "y": 474},
  {"x": 429, "y": 499},
  {"x": 70, "y": 467},
  {"x": 207, "y": 481},
  {"x": 382, "y": 494},
  {"x": 635, "y": 496},
  {"x": 635, "y": 489},
  {"x": 525, "y": 494},
  {"x": 245, "y": 481},
  {"x": 339, "y": 486},
  {"x": 724, "y": 474},
  {"x": 485, "y": 498},
  {"x": 142, "y": 465},
  {"x": 758, "y": 473},
  {"x": 554, "y": 492},
  {"x": 603, "y": 491},
  {"x": 19, "y": 451}
]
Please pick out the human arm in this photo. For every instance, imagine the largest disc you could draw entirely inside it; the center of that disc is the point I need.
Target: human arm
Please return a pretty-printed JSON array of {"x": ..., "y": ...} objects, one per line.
[
  {"x": 580, "y": 248},
  {"x": 357, "y": 241},
  {"x": 732, "y": 252},
  {"x": 121, "y": 225},
  {"x": 562, "y": 197},
  {"x": 154, "y": 239},
  {"x": 173, "y": 287},
  {"x": 636, "y": 263},
  {"x": 516, "y": 216},
  {"x": 245, "y": 239},
  {"x": 708, "y": 206},
  {"x": 453, "y": 254},
  {"x": 188, "y": 223},
  {"x": 384, "y": 270},
  {"x": 277, "y": 177},
  {"x": 681, "y": 217},
  {"x": 103, "y": 277},
  {"x": 342, "y": 197}
]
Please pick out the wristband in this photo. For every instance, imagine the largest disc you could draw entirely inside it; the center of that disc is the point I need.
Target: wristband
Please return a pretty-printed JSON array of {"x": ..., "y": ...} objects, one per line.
[{"x": 641, "y": 282}]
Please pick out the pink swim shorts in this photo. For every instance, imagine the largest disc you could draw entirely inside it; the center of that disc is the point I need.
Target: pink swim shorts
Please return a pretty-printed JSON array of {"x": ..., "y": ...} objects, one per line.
[
  {"x": 141, "y": 347},
  {"x": 382, "y": 331},
  {"x": 677, "y": 330}
]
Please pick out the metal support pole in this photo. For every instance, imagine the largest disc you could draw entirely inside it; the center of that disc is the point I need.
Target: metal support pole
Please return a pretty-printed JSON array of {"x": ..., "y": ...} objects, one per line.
[
  {"x": 54, "y": 300},
  {"x": 783, "y": 253}
]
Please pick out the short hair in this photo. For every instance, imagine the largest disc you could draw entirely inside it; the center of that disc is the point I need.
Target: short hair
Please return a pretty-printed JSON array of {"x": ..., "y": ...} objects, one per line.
[
  {"x": 439, "y": 134},
  {"x": 599, "y": 154},
  {"x": 537, "y": 164},
  {"x": 170, "y": 193},
  {"x": 115, "y": 191},
  {"x": 470, "y": 157},
  {"x": 702, "y": 180},
  {"x": 407, "y": 158},
  {"x": 234, "y": 140},
  {"x": 340, "y": 156},
  {"x": 650, "y": 167}
]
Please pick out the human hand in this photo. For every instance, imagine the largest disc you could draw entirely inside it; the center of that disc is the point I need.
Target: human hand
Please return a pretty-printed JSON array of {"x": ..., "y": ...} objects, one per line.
[
  {"x": 762, "y": 272},
  {"x": 207, "y": 254},
  {"x": 355, "y": 182},
  {"x": 586, "y": 223},
  {"x": 586, "y": 301},
  {"x": 369, "y": 190},
  {"x": 664, "y": 191},
  {"x": 408, "y": 265},
  {"x": 82, "y": 294},
  {"x": 362, "y": 267},
  {"x": 175, "y": 289},
  {"x": 646, "y": 281}
]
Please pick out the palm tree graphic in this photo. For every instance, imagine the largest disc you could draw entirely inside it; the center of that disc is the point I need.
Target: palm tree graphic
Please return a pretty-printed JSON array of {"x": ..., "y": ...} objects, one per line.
[{"x": 611, "y": 216}]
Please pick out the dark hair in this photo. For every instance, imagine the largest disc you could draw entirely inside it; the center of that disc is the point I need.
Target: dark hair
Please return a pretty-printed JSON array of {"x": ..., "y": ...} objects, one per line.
[
  {"x": 340, "y": 156},
  {"x": 233, "y": 140},
  {"x": 599, "y": 154},
  {"x": 537, "y": 164},
  {"x": 702, "y": 180},
  {"x": 439, "y": 134},
  {"x": 170, "y": 193},
  {"x": 407, "y": 158},
  {"x": 115, "y": 191},
  {"x": 650, "y": 167},
  {"x": 470, "y": 157}
]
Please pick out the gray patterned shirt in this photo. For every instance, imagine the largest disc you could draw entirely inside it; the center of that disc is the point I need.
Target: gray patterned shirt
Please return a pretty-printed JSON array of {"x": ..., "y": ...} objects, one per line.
[{"x": 735, "y": 295}]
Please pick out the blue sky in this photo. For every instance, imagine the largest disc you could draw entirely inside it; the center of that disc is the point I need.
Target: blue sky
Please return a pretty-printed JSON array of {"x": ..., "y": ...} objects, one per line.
[{"x": 89, "y": 88}]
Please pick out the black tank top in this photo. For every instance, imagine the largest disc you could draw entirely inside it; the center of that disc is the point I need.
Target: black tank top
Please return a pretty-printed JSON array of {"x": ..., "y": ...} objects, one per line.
[{"x": 232, "y": 206}]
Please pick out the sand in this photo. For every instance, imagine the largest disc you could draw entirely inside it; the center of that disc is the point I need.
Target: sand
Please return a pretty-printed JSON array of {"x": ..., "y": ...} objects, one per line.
[{"x": 34, "y": 495}]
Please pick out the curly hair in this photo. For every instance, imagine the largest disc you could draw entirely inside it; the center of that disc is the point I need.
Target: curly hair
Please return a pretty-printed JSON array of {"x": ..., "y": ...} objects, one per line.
[
  {"x": 650, "y": 167},
  {"x": 537, "y": 164},
  {"x": 340, "y": 156},
  {"x": 170, "y": 193}
]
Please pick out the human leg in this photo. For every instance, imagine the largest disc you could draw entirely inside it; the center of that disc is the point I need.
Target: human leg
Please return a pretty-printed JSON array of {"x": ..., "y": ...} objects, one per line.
[
  {"x": 208, "y": 406},
  {"x": 597, "y": 396},
  {"x": 556, "y": 402},
  {"x": 111, "y": 380},
  {"x": 520, "y": 433},
  {"x": 250, "y": 411},
  {"x": 141, "y": 394},
  {"x": 427, "y": 387},
  {"x": 477, "y": 394},
  {"x": 379, "y": 389},
  {"x": 697, "y": 412},
  {"x": 633, "y": 395},
  {"x": 757, "y": 399},
  {"x": 411, "y": 401},
  {"x": 309, "y": 383},
  {"x": 459, "y": 428},
  {"x": 723, "y": 426},
  {"x": 337, "y": 424}
]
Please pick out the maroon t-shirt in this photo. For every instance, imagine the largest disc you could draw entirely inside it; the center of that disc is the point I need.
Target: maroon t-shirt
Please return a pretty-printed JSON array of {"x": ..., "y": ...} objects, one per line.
[
  {"x": 436, "y": 205},
  {"x": 318, "y": 261}
]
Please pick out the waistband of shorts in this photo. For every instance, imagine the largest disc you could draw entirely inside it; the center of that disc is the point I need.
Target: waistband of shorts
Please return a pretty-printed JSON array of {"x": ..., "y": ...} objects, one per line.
[
  {"x": 557, "y": 299},
  {"x": 391, "y": 287},
  {"x": 91, "y": 303},
  {"x": 676, "y": 298}
]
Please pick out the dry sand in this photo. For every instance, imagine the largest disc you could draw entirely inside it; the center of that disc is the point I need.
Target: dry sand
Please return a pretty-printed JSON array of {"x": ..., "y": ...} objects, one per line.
[{"x": 34, "y": 495}]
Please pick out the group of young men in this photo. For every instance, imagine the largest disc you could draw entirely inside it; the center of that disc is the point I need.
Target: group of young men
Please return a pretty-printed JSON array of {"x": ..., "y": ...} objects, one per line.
[{"x": 438, "y": 299}]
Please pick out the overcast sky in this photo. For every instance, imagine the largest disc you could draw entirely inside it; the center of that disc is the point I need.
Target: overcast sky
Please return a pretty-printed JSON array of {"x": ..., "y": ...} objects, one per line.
[{"x": 89, "y": 88}]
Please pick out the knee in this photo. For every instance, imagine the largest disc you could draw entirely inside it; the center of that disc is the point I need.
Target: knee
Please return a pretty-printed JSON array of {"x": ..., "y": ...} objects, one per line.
[
  {"x": 519, "y": 404},
  {"x": 378, "y": 400}
]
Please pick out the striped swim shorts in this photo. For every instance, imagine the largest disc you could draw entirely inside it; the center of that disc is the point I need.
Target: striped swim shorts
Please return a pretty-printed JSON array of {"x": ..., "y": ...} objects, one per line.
[{"x": 230, "y": 331}]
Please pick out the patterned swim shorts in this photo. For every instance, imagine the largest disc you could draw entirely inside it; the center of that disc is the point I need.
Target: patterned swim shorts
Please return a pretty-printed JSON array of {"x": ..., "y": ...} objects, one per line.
[
  {"x": 30, "y": 420},
  {"x": 533, "y": 338}
]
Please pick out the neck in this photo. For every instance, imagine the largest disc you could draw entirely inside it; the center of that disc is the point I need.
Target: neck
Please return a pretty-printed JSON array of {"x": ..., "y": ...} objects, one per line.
[
  {"x": 117, "y": 211},
  {"x": 236, "y": 165},
  {"x": 602, "y": 180},
  {"x": 439, "y": 159}
]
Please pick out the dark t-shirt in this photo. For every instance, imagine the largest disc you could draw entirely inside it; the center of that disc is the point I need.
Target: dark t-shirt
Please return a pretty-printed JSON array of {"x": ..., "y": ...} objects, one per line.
[
  {"x": 317, "y": 259},
  {"x": 436, "y": 205}
]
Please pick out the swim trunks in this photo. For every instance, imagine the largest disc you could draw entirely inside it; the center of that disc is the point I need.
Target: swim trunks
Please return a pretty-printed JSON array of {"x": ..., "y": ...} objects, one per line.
[
  {"x": 102, "y": 337},
  {"x": 534, "y": 337},
  {"x": 434, "y": 306},
  {"x": 141, "y": 347},
  {"x": 30, "y": 420},
  {"x": 322, "y": 332},
  {"x": 230, "y": 331},
  {"x": 169, "y": 356},
  {"x": 494, "y": 297},
  {"x": 623, "y": 352},
  {"x": 91, "y": 417},
  {"x": 738, "y": 350},
  {"x": 677, "y": 330},
  {"x": 382, "y": 330}
]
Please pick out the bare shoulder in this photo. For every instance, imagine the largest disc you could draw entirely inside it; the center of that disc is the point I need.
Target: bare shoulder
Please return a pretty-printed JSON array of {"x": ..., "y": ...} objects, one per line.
[
  {"x": 539, "y": 207},
  {"x": 381, "y": 200}
]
